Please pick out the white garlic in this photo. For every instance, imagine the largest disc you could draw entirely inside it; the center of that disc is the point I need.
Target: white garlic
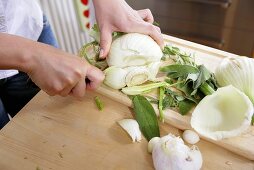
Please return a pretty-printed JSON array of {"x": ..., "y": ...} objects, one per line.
[
  {"x": 132, "y": 128},
  {"x": 190, "y": 137},
  {"x": 170, "y": 153}
]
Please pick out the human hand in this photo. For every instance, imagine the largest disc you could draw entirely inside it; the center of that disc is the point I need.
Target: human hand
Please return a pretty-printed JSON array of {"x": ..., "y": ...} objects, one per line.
[
  {"x": 119, "y": 16},
  {"x": 60, "y": 73}
]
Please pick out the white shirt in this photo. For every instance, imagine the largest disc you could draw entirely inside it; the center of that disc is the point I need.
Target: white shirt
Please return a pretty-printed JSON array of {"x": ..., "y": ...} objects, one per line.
[{"x": 20, "y": 17}]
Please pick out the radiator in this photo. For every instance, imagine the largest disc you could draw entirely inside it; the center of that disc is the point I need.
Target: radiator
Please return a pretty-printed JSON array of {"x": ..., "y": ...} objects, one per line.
[{"x": 65, "y": 23}]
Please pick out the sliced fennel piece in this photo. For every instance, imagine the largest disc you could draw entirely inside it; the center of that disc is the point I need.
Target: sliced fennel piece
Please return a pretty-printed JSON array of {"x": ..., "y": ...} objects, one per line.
[
  {"x": 142, "y": 89},
  {"x": 115, "y": 77},
  {"x": 239, "y": 72},
  {"x": 170, "y": 153},
  {"x": 226, "y": 113},
  {"x": 137, "y": 76},
  {"x": 132, "y": 128},
  {"x": 133, "y": 49}
]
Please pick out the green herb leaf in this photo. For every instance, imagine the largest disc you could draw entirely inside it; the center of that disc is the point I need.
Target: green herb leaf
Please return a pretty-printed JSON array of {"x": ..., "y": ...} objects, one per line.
[
  {"x": 203, "y": 76},
  {"x": 99, "y": 103},
  {"x": 185, "y": 106},
  {"x": 146, "y": 117},
  {"x": 176, "y": 70}
]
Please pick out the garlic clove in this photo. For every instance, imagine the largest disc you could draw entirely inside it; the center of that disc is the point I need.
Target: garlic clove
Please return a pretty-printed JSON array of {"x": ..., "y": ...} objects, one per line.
[
  {"x": 190, "y": 137},
  {"x": 152, "y": 143},
  {"x": 132, "y": 128},
  {"x": 115, "y": 77}
]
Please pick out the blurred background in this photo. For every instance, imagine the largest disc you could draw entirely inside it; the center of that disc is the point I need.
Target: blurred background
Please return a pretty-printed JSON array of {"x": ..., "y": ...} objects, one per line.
[{"x": 223, "y": 24}]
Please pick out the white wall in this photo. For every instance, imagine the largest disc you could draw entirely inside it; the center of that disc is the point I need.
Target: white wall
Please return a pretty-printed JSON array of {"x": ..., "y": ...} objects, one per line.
[{"x": 64, "y": 21}]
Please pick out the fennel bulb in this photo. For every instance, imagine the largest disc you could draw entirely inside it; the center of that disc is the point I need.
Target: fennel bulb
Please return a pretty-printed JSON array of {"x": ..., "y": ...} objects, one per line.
[
  {"x": 239, "y": 72},
  {"x": 223, "y": 114},
  {"x": 170, "y": 153},
  {"x": 133, "y": 49},
  {"x": 133, "y": 59}
]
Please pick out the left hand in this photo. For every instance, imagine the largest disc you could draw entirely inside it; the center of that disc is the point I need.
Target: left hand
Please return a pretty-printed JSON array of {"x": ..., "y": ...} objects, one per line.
[{"x": 113, "y": 16}]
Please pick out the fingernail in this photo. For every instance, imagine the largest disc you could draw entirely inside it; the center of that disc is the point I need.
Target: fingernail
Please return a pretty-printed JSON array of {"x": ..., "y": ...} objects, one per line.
[{"x": 101, "y": 53}]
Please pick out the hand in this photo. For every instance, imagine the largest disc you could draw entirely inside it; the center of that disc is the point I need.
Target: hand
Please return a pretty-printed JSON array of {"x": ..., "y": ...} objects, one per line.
[
  {"x": 57, "y": 72},
  {"x": 119, "y": 16}
]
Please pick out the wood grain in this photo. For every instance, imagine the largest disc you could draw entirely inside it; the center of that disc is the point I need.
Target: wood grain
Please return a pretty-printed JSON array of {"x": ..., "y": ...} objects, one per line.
[
  {"x": 210, "y": 57},
  {"x": 55, "y": 133}
]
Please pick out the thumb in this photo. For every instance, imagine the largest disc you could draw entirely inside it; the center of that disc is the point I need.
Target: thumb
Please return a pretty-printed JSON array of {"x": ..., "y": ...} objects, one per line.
[
  {"x": 105, "y": 42},
  {"x": 94, "y": 77}
]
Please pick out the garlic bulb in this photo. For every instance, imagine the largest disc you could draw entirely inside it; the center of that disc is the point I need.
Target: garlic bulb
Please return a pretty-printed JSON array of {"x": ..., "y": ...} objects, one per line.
[
  {"x": 225, "y": 113},
  {"x": 170, "y": 153},
  {"x": 132, "y": 128},
  {"x": 239, "y": 72},
  {"x": 133, "y": 49},
  {"x": 190, "y": 137},
  {"x": 118, "y": 78}
]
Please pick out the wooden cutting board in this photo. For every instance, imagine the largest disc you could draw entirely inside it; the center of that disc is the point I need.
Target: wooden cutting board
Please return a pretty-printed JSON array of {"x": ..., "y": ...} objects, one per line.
[{"x": 210, "y": 57}]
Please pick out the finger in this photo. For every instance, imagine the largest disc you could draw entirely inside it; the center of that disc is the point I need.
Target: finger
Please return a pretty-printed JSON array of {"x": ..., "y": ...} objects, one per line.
[
  {"x": 146, "y": 15},
  {"x": 95, "y": 77},
  {"x": 65, "y": 92},
  {"x": 79, "y": 89},
  {"x": 158, "y": 29},
  {"x": 149, "y": 29},
  {"x": 105, "y": 42}
]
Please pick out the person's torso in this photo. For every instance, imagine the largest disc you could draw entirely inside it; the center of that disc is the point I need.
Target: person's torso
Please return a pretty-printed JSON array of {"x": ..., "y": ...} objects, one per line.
[{"x": 20, "y": 17}]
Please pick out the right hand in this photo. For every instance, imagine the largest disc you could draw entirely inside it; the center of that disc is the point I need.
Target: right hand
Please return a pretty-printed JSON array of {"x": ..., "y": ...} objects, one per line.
[{"x": 60, "y": 73}]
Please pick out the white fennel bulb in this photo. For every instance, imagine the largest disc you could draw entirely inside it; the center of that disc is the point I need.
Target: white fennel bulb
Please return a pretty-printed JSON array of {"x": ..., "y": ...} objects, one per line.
[
  {"x": 239, "y": 72},
  {"x": 223, "y": 114},
  {"x": 133, "y": 49},
  {"x": 170, "y": 153}
]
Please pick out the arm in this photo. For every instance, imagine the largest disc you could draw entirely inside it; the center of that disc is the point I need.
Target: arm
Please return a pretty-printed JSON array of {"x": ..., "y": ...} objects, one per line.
[
  {"x": 53, "y": 70},
  {"x": 117, "y": 15}
]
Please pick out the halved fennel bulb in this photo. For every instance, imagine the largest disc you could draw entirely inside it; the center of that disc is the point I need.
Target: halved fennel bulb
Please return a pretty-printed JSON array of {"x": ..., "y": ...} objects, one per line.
[
  {"x": 226, "y": 113},
  {"x": 239, "y": 72},
  {"x": 133, "y": 49}
]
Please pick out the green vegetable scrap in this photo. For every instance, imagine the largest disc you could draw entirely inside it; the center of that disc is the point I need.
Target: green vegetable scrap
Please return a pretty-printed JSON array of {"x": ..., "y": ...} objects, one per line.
[
  {"x": 191, "y": 81},
  {"x": 161, "y": 96},
  {"x": 146, "y": 117},
  {"x": 90, "y": 52},
  {"x": 142, "y": 89},
  {"x": 99, "y": 103}
]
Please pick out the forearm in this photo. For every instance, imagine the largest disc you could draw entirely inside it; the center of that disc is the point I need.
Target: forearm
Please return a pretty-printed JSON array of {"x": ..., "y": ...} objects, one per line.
[{"x": 15, "y": 52}]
